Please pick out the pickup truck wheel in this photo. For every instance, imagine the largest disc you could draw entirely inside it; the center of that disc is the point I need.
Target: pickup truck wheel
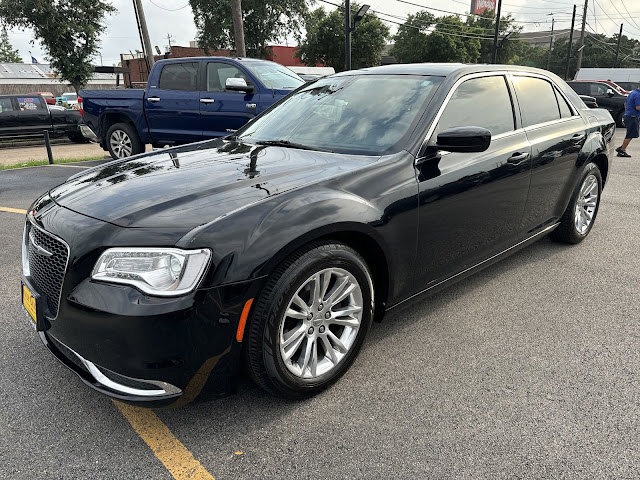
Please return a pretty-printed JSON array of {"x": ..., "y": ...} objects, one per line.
[
  {"x": 620, "y": 119},
  {"x": 578, "y": 219},
  {"x": 309, "y": 321},
  {"x": 123, "y": 141},
  {"x": 76, "y": 137}
]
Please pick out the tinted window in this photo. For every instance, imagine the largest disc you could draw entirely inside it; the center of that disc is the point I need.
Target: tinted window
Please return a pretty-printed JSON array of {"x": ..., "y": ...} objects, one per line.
[
  {"x": 6, "y": 105},
  {"x": 273, "y": 75},
  {"x": 217, "y": 74},
  {"x": 598, "y": 89},
  {"x": 479, "y": 102},
  {"x": 537, "y": 100},
  {"x": 360, "y": 114},
  {"x": 580, "y": 88},
  {"x": 30, "y": 104},
  {"x": 565, "y": 110},
  {"x": 179, "y": 76}
]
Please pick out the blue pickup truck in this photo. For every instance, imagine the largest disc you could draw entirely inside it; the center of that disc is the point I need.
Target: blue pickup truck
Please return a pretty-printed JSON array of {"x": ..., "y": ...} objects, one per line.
[{"x": 186, "y": 100}]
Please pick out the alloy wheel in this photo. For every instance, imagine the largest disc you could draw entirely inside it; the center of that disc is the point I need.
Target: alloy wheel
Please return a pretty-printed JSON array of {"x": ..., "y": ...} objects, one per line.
[
  {"x": 321, "y": 323},
  {"x": 586, "y": 204},
  {"x": 120, "y": 144}
]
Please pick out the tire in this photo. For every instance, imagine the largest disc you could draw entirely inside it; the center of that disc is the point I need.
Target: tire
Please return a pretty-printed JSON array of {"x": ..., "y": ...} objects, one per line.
[
  {"x": 76, "y": 137},
  {"x": 122, "y": 141},
  {"x": 575, "y": 224},
  {"x": 288, "y": 372},
  {"x": 620, "y": 119}
]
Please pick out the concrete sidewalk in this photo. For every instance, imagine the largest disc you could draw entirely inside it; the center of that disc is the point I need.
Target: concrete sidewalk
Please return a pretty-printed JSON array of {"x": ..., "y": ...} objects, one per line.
[{"x": 89, "y": 151}]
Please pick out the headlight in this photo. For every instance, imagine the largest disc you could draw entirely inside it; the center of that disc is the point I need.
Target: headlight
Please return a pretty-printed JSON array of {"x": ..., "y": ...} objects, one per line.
[{"x": 166, "y": 272}]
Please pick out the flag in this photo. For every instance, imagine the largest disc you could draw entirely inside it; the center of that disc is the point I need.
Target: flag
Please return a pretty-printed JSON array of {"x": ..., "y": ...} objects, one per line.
[{"x": 33, "y": 60}]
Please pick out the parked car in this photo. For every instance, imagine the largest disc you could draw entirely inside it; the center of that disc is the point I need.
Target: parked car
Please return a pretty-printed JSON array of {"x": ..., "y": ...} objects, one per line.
[
  {"x": 186, "y": 100},
  {"x": 607, "y": 97},
  {"x": 589, "y": 101},
  {"x": 49, "y": 97},
  {"x": 30, "y": 116},
  {"x": 278, "y": 245},
  {"x": 71, "y": 99},
  {"x": 629, "y": 86}
]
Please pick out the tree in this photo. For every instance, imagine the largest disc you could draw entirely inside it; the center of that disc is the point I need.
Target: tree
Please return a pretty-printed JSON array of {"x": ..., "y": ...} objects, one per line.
[
  {"x": 264, "y": 21},
  {"x": 8, "y": 54},
  {"x": 325, "y": 40},
  {"x": 68, "y": 30}
]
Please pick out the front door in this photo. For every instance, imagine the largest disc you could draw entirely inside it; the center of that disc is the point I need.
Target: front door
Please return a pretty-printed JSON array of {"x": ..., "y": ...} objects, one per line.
[
  {"x": 223, "y": 111},
  {"x": 471, "y": 204},
  {"x": 33, "y": 116},
  {"x": 173, "y": 106}
]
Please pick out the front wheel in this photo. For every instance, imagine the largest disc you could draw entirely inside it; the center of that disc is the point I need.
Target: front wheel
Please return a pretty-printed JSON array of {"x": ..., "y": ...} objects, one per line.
[
  {"x": 123, "y": 141},
  {"x": 620, "y": 119},
  {"x": 578, "y": 219},
  {"x": 310, "y": 321}
]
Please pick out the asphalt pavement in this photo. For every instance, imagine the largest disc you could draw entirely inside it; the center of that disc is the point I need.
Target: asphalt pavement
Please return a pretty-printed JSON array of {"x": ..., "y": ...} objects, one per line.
[{"x": 528, "y": 369}]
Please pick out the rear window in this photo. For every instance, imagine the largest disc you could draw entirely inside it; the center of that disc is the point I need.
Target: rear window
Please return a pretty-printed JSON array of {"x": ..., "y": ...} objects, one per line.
[
  {"x": 580, "y": 88},
  {"x": 537, "y": 100},
  {"x": 30, "y": 104},
  {"x": 179, "y": 76},
  {"x": 6, "y": 105}
]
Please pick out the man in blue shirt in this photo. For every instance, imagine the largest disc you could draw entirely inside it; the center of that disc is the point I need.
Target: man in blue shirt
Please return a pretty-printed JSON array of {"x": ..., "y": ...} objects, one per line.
[{"x": 631, "y": 121}]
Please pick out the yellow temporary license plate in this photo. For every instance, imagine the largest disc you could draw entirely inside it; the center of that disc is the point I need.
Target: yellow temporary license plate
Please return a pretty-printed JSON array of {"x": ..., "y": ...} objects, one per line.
[{"x": 29, "y": 303}]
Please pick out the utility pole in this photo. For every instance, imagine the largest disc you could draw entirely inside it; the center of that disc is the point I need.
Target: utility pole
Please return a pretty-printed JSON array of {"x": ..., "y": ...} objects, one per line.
[
  {"x": 144, "y": 34},
  {"x": 573, "y": 24},
  {"x": 553, "y": 21},
  {"x": 238, "y": 28},
  {"x": 615, "y": 64},
  {"x": 581, "y": 47},
  {"x": 347, "y": 34},
  {"x": 494, "y": 56}
]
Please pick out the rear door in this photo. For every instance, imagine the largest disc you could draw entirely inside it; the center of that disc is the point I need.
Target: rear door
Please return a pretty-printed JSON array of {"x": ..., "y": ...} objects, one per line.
[
  {"x": 471, "y": 204},
  {"x": 557, "y": 133},
  {"x": 33, "y": 115},
  {"x": 223, "y": 111},
  {"x": 173, "y": 106}
]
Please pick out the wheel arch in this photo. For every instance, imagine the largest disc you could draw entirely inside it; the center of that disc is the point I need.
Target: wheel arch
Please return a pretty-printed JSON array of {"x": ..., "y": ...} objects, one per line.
[
  {"x": 602, "y": 163},
  {"x": 354, "y": 235}
]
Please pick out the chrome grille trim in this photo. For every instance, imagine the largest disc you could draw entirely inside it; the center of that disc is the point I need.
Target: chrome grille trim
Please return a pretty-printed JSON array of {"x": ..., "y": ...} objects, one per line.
[{"x": 51, "y": 302}]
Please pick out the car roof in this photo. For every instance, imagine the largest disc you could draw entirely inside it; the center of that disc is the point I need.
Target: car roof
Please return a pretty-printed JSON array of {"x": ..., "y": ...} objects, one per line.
[
  {"x": 443, "y": 69},
  {"x": 200, "y": 59}
]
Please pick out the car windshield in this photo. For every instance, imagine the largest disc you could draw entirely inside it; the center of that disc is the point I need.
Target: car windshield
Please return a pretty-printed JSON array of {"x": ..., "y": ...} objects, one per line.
[
  {"x": 275, "y": 76},
  {"x": 360, "y": 114}
]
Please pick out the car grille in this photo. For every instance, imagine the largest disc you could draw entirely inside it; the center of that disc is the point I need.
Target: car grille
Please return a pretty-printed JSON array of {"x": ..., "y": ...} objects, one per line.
[{"x": 47, "y": 271}]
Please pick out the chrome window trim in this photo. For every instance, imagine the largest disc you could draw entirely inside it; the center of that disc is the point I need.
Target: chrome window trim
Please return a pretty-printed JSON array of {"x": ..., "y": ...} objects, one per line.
[
  {"x": 445, "y": 102},
  {"x": 66, "y": 266}
]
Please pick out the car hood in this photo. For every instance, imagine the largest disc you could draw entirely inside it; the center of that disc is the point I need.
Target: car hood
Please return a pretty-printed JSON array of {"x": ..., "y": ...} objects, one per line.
[{"x": 195, "y": 184}]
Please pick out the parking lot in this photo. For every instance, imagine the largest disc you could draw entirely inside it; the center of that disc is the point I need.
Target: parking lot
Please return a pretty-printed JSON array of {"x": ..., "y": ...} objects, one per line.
[{"x": 529, "y": 369}]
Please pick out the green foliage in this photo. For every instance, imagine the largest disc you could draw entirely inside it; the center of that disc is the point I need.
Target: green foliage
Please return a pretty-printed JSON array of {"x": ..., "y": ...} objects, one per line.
[
  {"x": 8, "y": 54},
  {"x": 324, "y": 42},
  {"x": 68, "y": 30},
  {"x": 264, "y": 21}
]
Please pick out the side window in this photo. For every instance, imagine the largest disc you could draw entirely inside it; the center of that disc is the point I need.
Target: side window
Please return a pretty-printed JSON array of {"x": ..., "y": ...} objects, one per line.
[
  {"x": 537, "y": 100},
  {"x": 565, "y": 110},
  {"x": 580, "y": 88},
  {"x": 179, "y": 76},
  {"x": 6, "y": 105},
  {"x": 217, "y": 74},
  {"x": 479, "y": 102},
  {"x": 30, "y": 104},
  {"x": 597, "y": 89}
]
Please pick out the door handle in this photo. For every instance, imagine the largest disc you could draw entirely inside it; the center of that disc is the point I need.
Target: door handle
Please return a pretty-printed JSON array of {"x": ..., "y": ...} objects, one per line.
[
  {"x": 153, "y": 99},
  {"x": 517, "y": 158},
  {"x": 207, "y": 100},
  {"x": 578, "y": 137}
]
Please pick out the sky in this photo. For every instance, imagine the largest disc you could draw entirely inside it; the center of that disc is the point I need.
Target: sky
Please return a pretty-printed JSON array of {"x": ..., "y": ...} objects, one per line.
[{"x": 175, "y": 18}]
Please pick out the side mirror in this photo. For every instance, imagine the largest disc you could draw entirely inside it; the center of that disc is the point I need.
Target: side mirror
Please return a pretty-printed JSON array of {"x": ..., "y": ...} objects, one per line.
[
  {"x": 237, "y": 85},
  {"x": 464, "y": 139},
  {"x": 610, "y": 92}
]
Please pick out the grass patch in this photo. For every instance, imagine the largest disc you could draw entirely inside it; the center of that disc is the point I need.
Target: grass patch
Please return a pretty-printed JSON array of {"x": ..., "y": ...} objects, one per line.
[{"x": 38, "y": 163}]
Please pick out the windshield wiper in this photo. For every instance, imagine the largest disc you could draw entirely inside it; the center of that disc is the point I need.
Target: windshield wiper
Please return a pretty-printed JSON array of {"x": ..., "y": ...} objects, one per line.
[{"x": 287, "y": 143}]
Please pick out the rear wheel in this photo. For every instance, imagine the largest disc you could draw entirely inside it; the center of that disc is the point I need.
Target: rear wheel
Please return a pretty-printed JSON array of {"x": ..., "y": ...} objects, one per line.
[
  {"x": 310, "y": 321},
  {"x": 123, "y": 141},
  {"x": 620, "y": 119},
  {"x": 578, "y": 219}
]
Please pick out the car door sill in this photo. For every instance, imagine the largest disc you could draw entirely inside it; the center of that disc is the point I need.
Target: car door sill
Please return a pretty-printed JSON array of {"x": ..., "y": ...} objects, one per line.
[{"x": 485, "y": 263}]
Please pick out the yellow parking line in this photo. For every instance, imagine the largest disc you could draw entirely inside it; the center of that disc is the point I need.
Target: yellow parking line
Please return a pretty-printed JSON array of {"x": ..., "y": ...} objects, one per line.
[
  {"x": 13, "y": 210},
  {"x": 167, "y": 448}
]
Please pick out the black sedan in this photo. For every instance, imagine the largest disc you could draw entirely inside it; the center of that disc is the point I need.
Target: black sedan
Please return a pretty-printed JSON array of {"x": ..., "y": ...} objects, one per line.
[{"x": 158, "y": 276}]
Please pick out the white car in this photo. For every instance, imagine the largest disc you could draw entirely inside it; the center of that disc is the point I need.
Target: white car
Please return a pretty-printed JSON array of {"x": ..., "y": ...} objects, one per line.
[{"x": 72, "y": 98}]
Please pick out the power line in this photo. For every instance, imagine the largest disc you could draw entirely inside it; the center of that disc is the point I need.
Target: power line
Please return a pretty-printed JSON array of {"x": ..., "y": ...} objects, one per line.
[{"x": 168, "y": 9}]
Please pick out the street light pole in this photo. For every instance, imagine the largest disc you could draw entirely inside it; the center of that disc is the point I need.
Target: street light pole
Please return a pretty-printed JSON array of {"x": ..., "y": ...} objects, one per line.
[
  {"x": 494, "y": 56},
  {"x": 573, "y": 24},
  {"x": 347, "y": 35}
]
